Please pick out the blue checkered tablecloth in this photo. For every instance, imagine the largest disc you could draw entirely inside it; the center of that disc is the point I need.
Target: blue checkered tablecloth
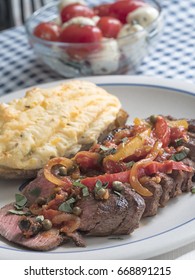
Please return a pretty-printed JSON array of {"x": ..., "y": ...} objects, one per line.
[{"x": 173, "y": 56}]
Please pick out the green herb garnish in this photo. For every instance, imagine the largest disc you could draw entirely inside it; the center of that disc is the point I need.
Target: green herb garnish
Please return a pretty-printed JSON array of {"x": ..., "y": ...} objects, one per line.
[
  {"x": 21, "y": 200},
  {"x": 67, "y": 205},
  {"x": 84, "y": 188},
  {"x": 18, "y": 212},
  {"x": 179, "y": 156}
]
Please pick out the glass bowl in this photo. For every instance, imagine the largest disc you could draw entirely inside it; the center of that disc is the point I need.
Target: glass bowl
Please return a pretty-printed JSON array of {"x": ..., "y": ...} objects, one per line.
[{"x": 111, "y": 56}]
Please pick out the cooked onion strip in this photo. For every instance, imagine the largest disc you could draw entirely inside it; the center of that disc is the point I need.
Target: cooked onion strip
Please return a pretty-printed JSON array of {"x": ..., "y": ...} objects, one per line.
[
  {"x": 133, "y": 178},
  {"x": 68, "y": 163}
]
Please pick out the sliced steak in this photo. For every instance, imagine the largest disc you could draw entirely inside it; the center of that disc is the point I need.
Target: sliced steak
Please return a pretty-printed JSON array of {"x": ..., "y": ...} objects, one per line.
[
  {"x": 10, "y": 230},
  {"x": 120, "y": 214},
  {"x": 168, "y": 188},
  {"x": 39, "y": 187},
  {"x": 183, "y": 180},
  {"x": 152, "y": 202},
  {"x": 191, "y": 145}
]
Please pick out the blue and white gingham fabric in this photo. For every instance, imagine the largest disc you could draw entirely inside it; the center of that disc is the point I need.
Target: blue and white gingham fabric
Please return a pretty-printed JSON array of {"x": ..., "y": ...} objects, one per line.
[{"x": 173, "y": 56}]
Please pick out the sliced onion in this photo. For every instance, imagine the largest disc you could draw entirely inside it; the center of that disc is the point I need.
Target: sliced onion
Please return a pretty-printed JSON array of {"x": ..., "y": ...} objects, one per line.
[
  {"x": 133, "y": 178},
  {"x": 70, "y": 222},
  {"x": 65, "y": 182}
]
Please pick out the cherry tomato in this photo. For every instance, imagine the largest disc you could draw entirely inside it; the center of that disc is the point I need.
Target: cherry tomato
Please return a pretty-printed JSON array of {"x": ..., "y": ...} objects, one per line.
[
  {"x": 102, "y": 10},
  {"x": 120, "y": 9},
  {"x": 109, "y": 26},
  {"x": 76, "y": 33},
  {"x": 49, "y": 31},
  {"x": 76, "y": 10}
]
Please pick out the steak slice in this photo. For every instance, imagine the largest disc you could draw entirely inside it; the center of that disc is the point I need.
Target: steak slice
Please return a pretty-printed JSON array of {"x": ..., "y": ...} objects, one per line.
[
  {"x": 120, "y": 214},
  {"x": 152, "y": 202},
  {"x": 191, "y": 145},
  {"x": 168, "y": 187},
  {"x": 39, "y": 187},
  {"x": 10, "y": 230}
]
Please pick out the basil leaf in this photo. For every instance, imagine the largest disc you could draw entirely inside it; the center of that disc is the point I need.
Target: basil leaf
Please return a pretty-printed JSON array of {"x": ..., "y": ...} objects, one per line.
[
  {"x": 21, "y": 200},
  {"x": 85, "y": 191},
  {"x": 179, "y": 156},
  {"x": 66, "y": 206},
  {"x": 17, "y": 212},
  {"x": 78, "y": 184}
]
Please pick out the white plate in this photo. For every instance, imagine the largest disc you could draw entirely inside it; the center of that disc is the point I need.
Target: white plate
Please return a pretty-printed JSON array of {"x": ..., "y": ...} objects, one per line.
[{"x": 174, "y": 225}]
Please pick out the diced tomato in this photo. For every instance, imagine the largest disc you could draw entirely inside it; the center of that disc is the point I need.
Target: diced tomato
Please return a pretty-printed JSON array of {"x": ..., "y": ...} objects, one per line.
[
  {"x": 88, "y": 160},
  {"x": 162, "y": 131},
  {"x": 50, "y": 213},
  {"x": 177, "y": 133},
  {"x": 166, "y": 167},
  {"x": 111, "y": 166},
  {"x": 106, "y": 179}
]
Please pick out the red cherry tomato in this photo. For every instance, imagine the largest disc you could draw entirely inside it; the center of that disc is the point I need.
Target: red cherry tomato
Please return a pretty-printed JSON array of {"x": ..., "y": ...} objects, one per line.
[
  {"x": 102, "y": 10},
  {"x": 76, "y": 33},
  {"x": 109, "y": 26},
  {"x": 120, "y": 9},
  {"x": 49, "y": 31},
  {"x": 76, "y": 10}
]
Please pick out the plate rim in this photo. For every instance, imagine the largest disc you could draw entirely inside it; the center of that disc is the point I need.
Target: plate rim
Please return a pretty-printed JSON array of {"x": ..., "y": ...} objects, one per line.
[{"x": 166, "y": 84}]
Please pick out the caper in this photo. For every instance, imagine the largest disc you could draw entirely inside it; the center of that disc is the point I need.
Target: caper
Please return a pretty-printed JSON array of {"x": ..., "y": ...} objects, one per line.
[
  {"x": 101, "y": 192},
  {"x": 153, "y": 119},
  {"x": 62, "y": 171},
  {"x": 41, "y": 201},
  {"x": 47, "y": 224},
  {"x": 76, "y": 210},
  {"x": 118, "y": 186}
]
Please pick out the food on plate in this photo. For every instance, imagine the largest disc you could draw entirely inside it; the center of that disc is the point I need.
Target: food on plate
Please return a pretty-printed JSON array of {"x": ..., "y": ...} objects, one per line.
[
  {"x": 106, "y": 190},
  {"x": 53, "y": 122},
  {"x": 91, "y": 30}
]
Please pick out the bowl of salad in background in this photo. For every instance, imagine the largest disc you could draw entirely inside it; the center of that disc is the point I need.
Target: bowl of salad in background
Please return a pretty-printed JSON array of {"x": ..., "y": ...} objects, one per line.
[{"x": 77, "y": 39}]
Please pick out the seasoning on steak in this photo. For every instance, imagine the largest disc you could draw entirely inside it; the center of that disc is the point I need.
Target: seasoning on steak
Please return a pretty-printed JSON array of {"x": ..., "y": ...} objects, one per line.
[{"x": 120, "y": 214}]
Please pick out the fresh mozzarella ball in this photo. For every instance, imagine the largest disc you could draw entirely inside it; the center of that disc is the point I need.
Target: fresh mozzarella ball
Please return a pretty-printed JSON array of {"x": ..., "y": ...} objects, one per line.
[
  {"x": 106, "y": 60},
  {"x": 132, "y": 41},
  {"x": 80, "y": 21},
  {"x": 128, "y": 29},
  {"x": 64, "y": 3},
  {"x": 144, "y": 15},
  {"x": 135, "y": 31},
  {"x": 96, "y": 19}
]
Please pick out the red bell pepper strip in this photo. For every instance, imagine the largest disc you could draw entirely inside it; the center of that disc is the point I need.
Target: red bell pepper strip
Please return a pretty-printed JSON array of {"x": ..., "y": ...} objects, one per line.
[
  {"x": 162, "y": 131},
  {"x": 106, "y": 179}
]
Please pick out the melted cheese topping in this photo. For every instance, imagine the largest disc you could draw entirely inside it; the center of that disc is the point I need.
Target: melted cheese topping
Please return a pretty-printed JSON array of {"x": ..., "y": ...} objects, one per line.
[{"x": 53, "y": 122}]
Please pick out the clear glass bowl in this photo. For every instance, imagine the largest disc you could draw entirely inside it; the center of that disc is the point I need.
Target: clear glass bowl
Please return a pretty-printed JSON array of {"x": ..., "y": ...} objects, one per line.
[{"x": 119, "y": 56}]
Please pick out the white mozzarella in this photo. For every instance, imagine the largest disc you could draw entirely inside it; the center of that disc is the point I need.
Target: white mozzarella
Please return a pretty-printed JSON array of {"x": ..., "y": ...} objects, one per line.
[
  {"x": 144, "y": 16},
  {"x": 80, "y": 21},
  {"x": 106, "y": 60}
]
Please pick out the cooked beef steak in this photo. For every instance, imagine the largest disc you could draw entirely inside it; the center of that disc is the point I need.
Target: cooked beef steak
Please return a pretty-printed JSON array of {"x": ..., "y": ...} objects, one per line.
[
  {"x": 152, "y": 202},
  {"x": 9, "y": 229},
  {"x": 120, "y": 214}
]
